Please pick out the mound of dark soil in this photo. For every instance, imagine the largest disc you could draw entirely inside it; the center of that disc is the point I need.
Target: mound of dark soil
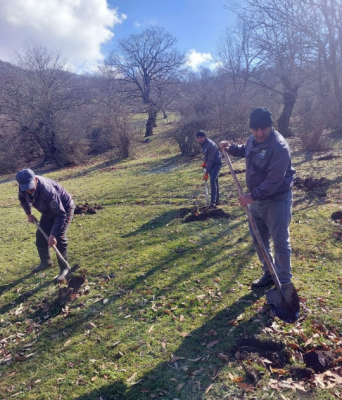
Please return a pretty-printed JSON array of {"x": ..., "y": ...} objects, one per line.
[
  {"x": 66, "y": 294},
  {"x": 237, "y": 171},
  {"x": 337, "y": 215},
  {"x": 203, "y": 213},
  {"x": 301, "y": 373},
  {"x": 87, "y": 208},
  {"x": 327, "y": 157},
  {"x": 319, "y": 361},
  {"x": 310, "y": 184},
  {"x": 251, "y": 349},
  {"x": 183, "y": 212}
]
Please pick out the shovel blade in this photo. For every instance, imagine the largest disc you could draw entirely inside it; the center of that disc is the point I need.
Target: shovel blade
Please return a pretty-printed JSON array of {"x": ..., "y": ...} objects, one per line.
[{"x": 285, "y": 304}]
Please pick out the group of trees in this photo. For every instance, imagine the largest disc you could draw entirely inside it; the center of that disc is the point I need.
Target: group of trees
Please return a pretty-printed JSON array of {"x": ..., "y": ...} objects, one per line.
[{"x": 284, "y": 54}]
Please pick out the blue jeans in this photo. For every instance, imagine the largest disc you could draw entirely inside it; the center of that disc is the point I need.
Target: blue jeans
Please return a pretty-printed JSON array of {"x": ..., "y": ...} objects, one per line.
[
  {"x": 214, "y": 186},
  {"x": 273, "y": 218}
]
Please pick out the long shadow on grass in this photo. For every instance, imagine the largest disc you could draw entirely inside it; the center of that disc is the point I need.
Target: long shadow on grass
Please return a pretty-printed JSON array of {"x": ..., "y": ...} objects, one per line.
[
  {"x": 167, "y": 165},
  {"x": 198, "y": 366},
  {"x": 191, "y": 347},
  {"x": 5, "y": 288},
  {"x": 155, "y": 223},
  {"x": 25, "y": 295}
]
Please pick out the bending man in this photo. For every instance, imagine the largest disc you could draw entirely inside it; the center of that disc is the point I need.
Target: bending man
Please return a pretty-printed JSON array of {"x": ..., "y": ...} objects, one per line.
[{"x": 57, "y": 209}]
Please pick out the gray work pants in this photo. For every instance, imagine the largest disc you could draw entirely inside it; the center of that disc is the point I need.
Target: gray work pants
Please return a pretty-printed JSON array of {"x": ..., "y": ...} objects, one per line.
[{"x": 273, "y": 218}]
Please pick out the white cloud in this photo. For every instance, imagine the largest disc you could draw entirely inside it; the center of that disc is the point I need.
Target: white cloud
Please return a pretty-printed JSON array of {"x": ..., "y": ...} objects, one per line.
[
  {"x": 77, "y": 28},
  {"x": 196, "y": 60},
  {"x": 137, "y": 24}
]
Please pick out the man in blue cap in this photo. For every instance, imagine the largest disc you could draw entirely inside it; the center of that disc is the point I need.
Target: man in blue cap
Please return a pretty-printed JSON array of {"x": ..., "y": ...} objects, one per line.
[
  {"x": 57, "y": 209},
  {"x": 269, "y": 178}
]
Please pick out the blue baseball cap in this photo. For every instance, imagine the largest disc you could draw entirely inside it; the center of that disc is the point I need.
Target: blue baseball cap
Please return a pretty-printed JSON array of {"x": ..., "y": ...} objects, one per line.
[{"x": 25, "y": 178}]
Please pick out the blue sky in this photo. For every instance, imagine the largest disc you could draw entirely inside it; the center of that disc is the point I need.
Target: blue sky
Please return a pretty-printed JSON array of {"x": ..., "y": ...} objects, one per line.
[
  {"x": 197, "y": 24},
  {"x": 84, "y": 30}
]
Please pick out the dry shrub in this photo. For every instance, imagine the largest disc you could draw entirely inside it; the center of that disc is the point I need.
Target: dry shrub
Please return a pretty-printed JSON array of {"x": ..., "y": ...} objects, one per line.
[
  {"x": 185, "y": 134},
  {"x": 118, "y": 134},
  {"x": 311, "y": 123}
]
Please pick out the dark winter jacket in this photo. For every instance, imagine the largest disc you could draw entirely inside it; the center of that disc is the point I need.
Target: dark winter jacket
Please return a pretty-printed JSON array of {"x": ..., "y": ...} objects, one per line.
[
  {"x": 51, "y": 199},
  {"x": 211, "y": 154},
  {"x": 269, "y": 173}
]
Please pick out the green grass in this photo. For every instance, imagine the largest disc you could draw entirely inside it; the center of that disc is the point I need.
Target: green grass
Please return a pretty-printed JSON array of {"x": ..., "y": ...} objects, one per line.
[{"x": 152, "y": 279}]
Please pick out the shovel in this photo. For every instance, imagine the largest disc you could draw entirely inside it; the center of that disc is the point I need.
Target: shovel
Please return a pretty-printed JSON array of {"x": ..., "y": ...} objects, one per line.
[
  {"x": 284, "y": 300},
  {"x": 60, "y": 277},
  {"x": 206, "y": 189}
]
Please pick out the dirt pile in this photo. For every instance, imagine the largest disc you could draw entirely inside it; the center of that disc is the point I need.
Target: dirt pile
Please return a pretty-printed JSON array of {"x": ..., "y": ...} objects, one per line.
[
  {"x": 327, "y": 157},
  {"x": 317, "y": 364},
  {"x": 87, "y": 208},
  {"x": 203, "y": 213},
  {"x": 237, "y": 171},
  {"x": 336, "y": 216},
  {"x": 73, "y": 290},
  {"x": 319, "y": 186}
]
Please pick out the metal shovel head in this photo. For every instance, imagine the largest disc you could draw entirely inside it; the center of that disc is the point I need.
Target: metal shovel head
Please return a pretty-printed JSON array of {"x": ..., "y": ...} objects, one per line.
[{"x": 285, "y": 304}]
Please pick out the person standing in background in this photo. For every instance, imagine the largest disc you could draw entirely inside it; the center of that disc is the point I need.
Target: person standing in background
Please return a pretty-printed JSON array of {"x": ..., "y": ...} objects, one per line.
[{"x": 212, "y": 164}]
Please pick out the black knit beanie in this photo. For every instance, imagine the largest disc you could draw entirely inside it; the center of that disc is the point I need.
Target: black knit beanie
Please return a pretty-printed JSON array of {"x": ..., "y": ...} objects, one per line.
[
  {"x": 200, "y": 133},
  {"x": 260, "y": 118}
]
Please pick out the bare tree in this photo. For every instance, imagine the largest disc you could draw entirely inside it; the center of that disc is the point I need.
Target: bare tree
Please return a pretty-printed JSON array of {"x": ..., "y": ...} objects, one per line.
[
  {"x": 112, "y": 123},
  {"x": 39, "y": 96},
  {"x": 147, "y": 62},
  {"x": 321, "y": 22},
  {"x": 273, "y": 51}
]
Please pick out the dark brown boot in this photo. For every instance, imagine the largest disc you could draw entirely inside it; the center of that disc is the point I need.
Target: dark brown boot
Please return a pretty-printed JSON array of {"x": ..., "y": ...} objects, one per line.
[
  {"x": 263, "y": 280},
  {"x": 63, "y": 268},
  {"x": 45, "y": 260}
]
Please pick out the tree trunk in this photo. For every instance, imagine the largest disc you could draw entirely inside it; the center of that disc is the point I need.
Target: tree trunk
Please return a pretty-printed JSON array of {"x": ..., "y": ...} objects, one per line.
[
  {"x": 151, "y": 122},
  {"x": 46, "y": 140},
  {"x": 290, "y": 97}
]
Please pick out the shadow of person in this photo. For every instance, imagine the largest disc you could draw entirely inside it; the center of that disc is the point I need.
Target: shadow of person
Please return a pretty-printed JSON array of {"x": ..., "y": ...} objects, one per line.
[
  {"x": 8, "y": 286},
  {"x": 24, "y": 296},
  {"x": 195, "y": 363},
  {"x": 155, "y": 223}
]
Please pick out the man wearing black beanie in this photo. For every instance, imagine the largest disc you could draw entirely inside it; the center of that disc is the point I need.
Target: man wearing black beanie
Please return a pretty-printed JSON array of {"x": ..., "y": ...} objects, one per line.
[{"x": 269, "y": 178}]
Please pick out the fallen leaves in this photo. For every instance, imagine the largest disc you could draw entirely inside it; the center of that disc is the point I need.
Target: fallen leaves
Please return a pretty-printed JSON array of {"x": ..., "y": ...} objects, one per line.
[
  {"x": 223, "y": 357},
  {"x": 212, "y": 344},
  {"x": 132, "y": 377}
]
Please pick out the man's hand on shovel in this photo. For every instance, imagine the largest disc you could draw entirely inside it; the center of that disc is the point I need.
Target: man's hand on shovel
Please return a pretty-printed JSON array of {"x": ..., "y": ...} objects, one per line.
[
  {"x": 52, "y": 241},
  {"x": 31, "y": 218},
  {"x": 245, "y": 199}
]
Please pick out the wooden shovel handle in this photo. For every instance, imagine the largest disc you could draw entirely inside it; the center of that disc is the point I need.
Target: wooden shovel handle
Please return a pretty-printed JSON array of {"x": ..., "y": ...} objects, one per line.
[
  {"x": 59, "y": 255},
  {"x": 253, "y": 224}
]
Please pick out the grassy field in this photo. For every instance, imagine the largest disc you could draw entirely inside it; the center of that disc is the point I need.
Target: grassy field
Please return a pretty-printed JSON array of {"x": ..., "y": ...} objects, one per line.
[{"x": 165, "y": 303}]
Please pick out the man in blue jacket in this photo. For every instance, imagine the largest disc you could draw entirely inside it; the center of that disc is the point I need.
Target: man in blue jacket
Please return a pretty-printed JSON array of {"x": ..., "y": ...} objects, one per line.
[
  {"x": 269, "y": 178},
  {"x": 57, "y": 209},
  {"x": 212, "y": 164}
]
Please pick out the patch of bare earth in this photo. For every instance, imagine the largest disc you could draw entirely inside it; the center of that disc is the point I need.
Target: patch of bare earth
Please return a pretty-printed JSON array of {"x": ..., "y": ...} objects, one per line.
[
  {"x": 87, "y": 208},
  {"x": 202, "y": 213}
]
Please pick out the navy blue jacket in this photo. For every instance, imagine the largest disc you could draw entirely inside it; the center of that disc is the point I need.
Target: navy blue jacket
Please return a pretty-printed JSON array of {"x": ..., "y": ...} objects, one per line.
[
  {"x": 211, "y": 154},
  {"x": 51, "y": 199},
  {"x": 269, "y": 173}
]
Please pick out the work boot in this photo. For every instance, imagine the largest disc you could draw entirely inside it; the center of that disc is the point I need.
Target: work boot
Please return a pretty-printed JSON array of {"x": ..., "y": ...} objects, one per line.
[
  {"x": 63, "y": 268},
  {"x": 263, "y": 281},
  {"x": 45, "y": 260}
]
